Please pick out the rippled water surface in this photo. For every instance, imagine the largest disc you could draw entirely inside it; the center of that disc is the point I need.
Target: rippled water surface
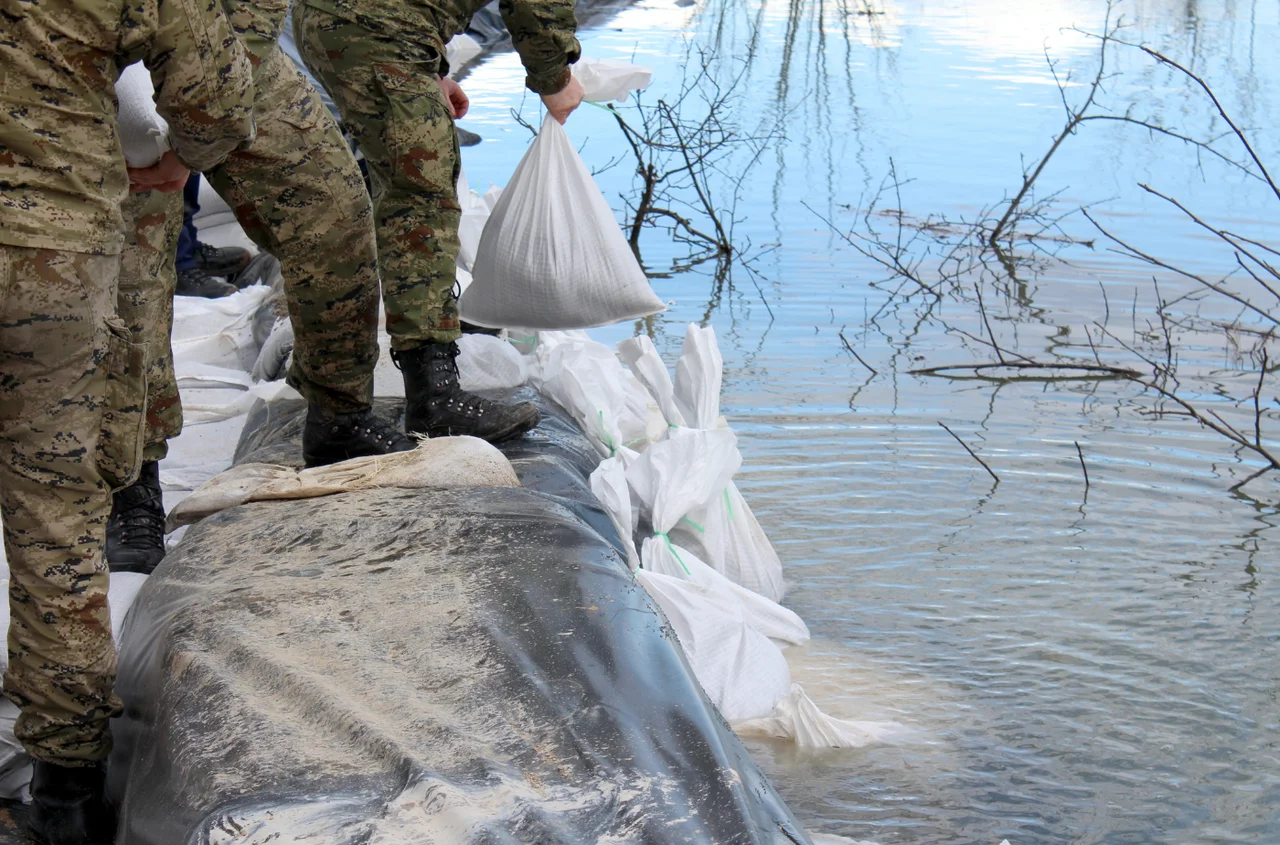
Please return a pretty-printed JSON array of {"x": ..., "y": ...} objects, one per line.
[{"x": 1083, "y": 666}]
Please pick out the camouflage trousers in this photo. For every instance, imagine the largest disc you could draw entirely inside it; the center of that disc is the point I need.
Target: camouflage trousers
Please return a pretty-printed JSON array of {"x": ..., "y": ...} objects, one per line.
[
  {"x": 58, "y": 340},
  {"x": 145, "y": 304},
  {"x": 299, "y": 194},
  {"x": 391, "y": 103}
]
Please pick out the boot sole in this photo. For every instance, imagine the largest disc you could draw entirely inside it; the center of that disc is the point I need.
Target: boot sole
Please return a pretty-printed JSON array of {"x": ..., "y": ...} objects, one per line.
[{"x": 511, "y": 431}]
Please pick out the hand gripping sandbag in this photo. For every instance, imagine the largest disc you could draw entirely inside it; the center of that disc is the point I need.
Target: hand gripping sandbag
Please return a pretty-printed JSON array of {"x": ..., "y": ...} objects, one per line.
[{"x": 552, "y": 255}]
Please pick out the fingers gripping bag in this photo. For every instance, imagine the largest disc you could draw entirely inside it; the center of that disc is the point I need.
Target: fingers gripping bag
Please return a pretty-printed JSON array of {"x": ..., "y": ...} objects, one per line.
[{"x": 552, "y": 255}]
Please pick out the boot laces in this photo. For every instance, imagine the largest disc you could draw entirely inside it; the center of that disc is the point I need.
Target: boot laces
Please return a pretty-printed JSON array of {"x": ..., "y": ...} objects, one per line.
[{"x": 140, "y": 514}]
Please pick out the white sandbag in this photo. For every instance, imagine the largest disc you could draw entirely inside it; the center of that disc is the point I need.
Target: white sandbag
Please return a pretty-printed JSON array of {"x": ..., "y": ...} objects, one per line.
[
  {"x": 475, "y": 213},
  {"x": 699, "y": 374},
  {"x": 275, "y": 352},
  {"x": 217, "y": 332},
  {"x": 436, "y": 463},
  {"x": 726, "y": 534},
  {"x": 552, "y": 255},
  {"x": 659, "y": 554},
  {"x": 742, "y": 671},
  {"x": 144, "y": 134},
  {"x": 610, "y": 79},
  {"x": 797, "y": 718},
  {"x": 486, "y": 362},
  {"x": 639, "y": 354},
  {"x": 461, "y": 49},
  {"x": 722, "y": 529},
  {"x": 609, "y": 484},
  {"x": 690, "y": 466},
  {"x": 605, "y": 400}
]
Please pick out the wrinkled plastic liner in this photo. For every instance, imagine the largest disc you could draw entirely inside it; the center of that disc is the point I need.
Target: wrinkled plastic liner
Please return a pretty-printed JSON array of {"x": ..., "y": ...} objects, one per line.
[{"x": 393, "y": 666}]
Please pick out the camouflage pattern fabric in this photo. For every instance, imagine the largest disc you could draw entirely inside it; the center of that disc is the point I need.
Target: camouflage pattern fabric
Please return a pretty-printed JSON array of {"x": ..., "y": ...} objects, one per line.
[
  {"x": 145, "y": 305},
  {"x": 392, "y": 105},
  {"x": 61, "y": 347},
  {"x": 54, "y": 342},
  {"x": 61, "y": 167},
  {"x": 299, "y": 194},
  {"x": 542, "y": 31}
]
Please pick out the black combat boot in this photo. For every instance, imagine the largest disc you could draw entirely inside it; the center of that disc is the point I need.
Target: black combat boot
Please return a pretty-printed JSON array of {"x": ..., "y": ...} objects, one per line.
[
  {"x": 135, "y": 530},
  {"x": 196, "y": 282},
  {"x": 329, "y": 438},
  {"x": 436, "y": 406},
  {"x": 69, "y": 806},
  {"x": 221, "y": 261}
]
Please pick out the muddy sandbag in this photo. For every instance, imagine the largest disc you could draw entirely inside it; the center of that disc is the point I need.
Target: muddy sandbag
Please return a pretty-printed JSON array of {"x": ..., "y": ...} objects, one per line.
[
  {"x": 440, "y": 463},
  {"x": 419, "y": 666}
]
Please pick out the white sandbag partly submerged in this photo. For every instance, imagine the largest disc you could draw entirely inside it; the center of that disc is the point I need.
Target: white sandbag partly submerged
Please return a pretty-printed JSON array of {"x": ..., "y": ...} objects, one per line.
[
  {"x": 797, "y": 718},
  {"x": 438, "y": 463},
  {"x": 741, "y": 671},
  {"x": 144, "y": 134},
  {"x": 552, "y": 255}
]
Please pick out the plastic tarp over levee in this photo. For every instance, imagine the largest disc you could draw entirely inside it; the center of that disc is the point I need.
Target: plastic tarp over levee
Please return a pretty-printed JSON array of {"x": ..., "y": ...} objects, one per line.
[{"x": 421, "y": 666}]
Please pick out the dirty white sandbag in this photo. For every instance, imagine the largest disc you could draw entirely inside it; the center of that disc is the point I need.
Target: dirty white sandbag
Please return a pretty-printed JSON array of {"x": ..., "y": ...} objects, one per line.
[
  {"x": 797, "y": 718},
  {"x": 144, "y": 134},
  {"x": 217, "y": 332},
  {"x": 741, "y": 670},
  {"x": 436, "y": 463},
  {"x": 609, "y": 484},
  {"x": 610, "y": 79},
  {"x": 489, "y": 363},
  {"x": 639, "y": 354},
  {"x": 768, "y": 617},
  {"x": 552, "y": 255},
  {"x": 275, "y": 352}
]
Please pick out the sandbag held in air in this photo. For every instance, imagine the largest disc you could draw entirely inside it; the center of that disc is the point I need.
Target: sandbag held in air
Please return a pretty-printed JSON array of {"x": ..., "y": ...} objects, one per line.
[{"x": 552, "y": 255}]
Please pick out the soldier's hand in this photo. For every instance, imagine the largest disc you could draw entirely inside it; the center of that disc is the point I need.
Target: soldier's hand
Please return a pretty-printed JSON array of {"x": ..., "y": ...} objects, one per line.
[
  {"x": 166, "y": 175},
  {"x": 562, "y": 103},
  {"x": 458, "y": 101}
]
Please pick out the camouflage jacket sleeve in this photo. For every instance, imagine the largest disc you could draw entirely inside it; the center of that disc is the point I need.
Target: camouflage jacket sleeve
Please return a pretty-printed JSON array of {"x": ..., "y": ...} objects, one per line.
[
  {"x": 202, "y": 76},
  {"x": 542, "y": 32}
]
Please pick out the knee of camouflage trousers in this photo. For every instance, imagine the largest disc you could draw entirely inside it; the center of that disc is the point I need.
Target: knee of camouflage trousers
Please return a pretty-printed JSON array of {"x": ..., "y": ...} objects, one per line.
[
  {"x": 56, "y": 321},
  {"x": 299, "y": 194},
  {"x": 391, "y": 102},
  {"x": 148, "y": 279}
]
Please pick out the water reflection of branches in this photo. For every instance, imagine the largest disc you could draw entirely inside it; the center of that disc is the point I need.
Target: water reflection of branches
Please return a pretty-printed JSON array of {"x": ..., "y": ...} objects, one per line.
[
  {"x": 692, "y": 160},
  {"x": 948, "y": 261}
]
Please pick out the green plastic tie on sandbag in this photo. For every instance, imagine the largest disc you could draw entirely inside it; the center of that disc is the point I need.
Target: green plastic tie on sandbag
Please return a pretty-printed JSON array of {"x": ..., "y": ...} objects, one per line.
[
  {"x": 608, "y": 441},
  {"x": 673, "y": 551},
  {"x": 728, "y": 503},
  {"x": 694, "y": 524}
]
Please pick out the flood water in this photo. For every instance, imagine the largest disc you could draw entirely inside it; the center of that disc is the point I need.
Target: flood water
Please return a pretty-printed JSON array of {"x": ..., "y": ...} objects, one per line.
[{"x": 1073, "y": 664}]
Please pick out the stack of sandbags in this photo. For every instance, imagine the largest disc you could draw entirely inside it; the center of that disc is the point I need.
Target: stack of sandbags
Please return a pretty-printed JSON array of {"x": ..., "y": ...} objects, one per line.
[{"x": 690, "y": 536}]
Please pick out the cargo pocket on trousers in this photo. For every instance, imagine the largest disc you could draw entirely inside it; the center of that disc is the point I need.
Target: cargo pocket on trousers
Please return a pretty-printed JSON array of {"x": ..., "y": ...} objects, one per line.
[{"x": 124, "y": 423}]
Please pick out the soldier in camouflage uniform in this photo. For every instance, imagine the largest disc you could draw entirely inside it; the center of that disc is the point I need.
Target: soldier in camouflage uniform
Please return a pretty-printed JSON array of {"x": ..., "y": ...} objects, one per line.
[
  {"x": 300, "y": 195},
  {"x": 62, "y": 350},
  {"x": 383, "y": 63}
]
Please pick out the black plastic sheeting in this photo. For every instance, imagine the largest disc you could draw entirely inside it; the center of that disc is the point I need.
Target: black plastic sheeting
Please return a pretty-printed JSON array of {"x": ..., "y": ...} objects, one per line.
[{"x": 421, "y": 666}]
